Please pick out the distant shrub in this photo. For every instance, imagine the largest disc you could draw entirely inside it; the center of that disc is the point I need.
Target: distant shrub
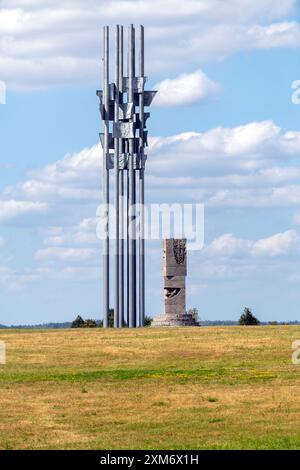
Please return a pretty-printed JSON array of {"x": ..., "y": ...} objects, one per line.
[
  {"x": 248, "y": 319},
  {"x": 148, "y": 321},
  {"x": 111, "y": 320},
  {"x": 194, "y": 312},
  {"x": 78, "y": 322},
  {"x": 90, "y": 324}
]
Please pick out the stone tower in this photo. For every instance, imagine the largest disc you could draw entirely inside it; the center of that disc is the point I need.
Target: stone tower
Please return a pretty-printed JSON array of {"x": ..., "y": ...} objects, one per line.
[{"x": 174, "y": 272}]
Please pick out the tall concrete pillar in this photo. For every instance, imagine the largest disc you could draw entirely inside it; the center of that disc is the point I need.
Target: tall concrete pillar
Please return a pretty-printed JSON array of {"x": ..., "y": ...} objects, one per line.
[{"x": 174, "y": 273}]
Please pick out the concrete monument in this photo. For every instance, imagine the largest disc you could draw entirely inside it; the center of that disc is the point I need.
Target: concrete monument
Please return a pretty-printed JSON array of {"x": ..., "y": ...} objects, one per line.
[{"x": 174, "y": 272}]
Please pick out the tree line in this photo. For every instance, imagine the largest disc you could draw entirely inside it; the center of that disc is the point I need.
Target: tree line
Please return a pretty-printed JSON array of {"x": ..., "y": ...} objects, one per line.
[
  {"x": 79, "y": 322},
  {"x": 247, "y": 319}
]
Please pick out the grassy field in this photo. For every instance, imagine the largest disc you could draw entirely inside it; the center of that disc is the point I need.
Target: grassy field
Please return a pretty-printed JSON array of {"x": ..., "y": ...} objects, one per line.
[{"x": 202, "y": 388}]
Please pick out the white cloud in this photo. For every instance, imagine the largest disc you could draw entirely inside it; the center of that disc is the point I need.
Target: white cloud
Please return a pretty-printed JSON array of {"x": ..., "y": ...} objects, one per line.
[
  {"x": 285, "y": 34},
  {"x": 13, "y": 209},
  {"x": 82, "y": 234},
  {"x": 74, "y": 178},
  {"x": 54, "y": 43},
  {"x": 247, "y": 166},
  {"x": 228, "y": 245},
  {"x": 253, "y": 165},
  {"x": 251, "y": 142},
  {"x": 185, "y": 89},
  {"x": 280, "y": 244},
  {"x": 244, "y": 166},
  {"x": 65, "y": 254},
  {"x": 72, "y": 168}
]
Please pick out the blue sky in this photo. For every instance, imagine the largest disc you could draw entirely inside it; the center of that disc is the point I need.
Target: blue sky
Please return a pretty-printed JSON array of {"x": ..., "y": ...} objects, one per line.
[{"x": 231, "y": 65}]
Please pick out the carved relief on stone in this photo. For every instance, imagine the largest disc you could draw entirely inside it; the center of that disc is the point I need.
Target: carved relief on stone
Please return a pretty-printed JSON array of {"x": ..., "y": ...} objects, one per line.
[
  {"x": 171, "y": 292},
  {"x": 179, "y": 248},
  {"x": 175, "y": 258}
]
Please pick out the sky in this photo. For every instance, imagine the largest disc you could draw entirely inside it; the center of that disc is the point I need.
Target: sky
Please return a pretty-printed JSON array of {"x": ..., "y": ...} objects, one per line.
[{"x": 224, "y": 132}]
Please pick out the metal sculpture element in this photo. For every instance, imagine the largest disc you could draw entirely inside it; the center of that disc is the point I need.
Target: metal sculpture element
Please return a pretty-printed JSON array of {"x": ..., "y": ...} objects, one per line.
[{"x": 122, "y": 108}]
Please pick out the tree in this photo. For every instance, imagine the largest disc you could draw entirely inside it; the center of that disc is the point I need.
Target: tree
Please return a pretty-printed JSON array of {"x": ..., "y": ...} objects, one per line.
[
  {"x": 111, "y": 318},
  {"x": 78, "y": 323},
  {"x": 148, "y": 321},
  {"x": 90, "y": 324},
  {"x": 248, "y": 319},
  {"x": 195, "y": 314}
]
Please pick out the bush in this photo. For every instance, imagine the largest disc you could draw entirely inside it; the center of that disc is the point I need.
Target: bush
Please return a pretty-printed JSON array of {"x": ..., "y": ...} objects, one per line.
[
  {"x": 248, "y": 319},
  {"x": 90, "y": 324},
  {"x": 195, "y": 314},
  {"x": 111, "y": 320},
  {"x": 148, "y": 321},
  {"x": 78, "y": 323}
]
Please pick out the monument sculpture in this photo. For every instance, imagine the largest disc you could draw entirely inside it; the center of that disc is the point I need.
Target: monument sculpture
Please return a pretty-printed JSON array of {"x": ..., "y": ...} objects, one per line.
[
  {"x": 174, "y": 272},
  {"x": 123, "y": 106}
]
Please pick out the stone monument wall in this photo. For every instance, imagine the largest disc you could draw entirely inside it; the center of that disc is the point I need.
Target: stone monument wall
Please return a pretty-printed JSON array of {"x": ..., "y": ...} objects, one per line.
[{"x": 174, "y": 272}]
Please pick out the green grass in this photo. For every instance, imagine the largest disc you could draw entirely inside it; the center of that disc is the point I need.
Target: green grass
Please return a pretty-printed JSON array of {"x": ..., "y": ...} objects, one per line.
[{"x": 199, "y": 388}]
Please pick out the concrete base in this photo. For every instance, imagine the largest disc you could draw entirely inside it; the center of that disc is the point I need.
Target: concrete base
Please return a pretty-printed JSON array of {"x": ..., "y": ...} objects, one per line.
[{"x": 174, "y": 321}]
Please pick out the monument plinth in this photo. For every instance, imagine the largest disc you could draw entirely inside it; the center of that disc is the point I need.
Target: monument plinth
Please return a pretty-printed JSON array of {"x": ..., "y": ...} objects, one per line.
[{"x": 174, "y": 272}]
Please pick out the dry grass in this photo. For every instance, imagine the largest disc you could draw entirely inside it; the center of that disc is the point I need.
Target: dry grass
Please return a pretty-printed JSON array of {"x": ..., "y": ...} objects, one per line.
[{"x": 205, "y": 388}]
